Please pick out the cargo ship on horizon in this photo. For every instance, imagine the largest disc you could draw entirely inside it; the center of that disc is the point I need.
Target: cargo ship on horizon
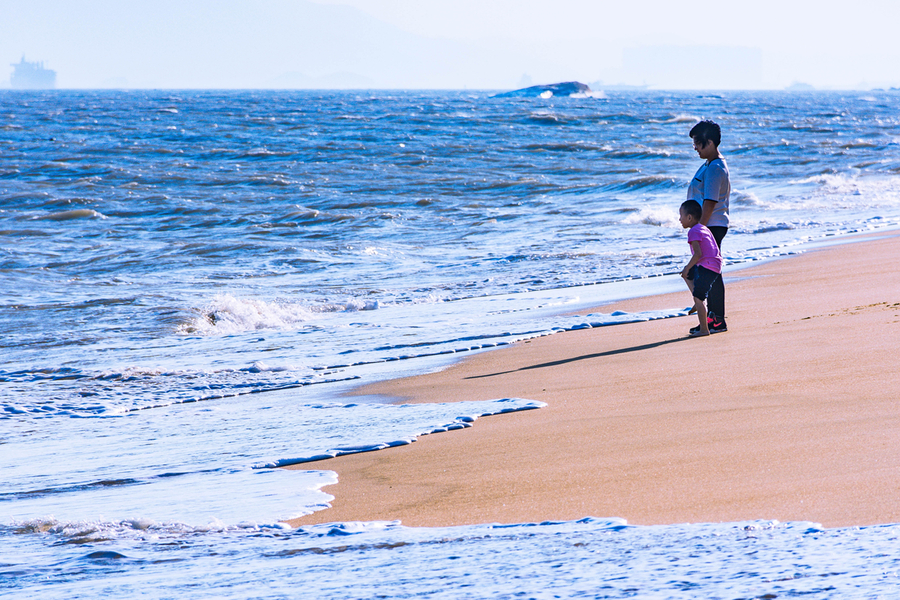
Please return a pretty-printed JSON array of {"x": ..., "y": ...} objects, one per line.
[{"x": 32, "y": 76}]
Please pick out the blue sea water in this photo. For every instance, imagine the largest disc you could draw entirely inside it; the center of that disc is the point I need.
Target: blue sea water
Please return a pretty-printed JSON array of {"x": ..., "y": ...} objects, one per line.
[{"x": 191, "y": 281}]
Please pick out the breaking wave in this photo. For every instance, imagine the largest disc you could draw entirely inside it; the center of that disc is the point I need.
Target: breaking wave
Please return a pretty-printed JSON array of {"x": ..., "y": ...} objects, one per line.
[
  {"x": 658, "y": 217},
  {"x": 225, "y": 314}
]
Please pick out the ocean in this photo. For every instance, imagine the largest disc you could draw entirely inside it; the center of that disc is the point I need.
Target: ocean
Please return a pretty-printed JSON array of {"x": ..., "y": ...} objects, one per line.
[{"x": 193, "y": 280}]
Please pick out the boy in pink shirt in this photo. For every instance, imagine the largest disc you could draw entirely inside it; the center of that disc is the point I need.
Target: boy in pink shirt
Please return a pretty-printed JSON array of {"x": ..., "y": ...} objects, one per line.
[{"x": 705, "y": 266}]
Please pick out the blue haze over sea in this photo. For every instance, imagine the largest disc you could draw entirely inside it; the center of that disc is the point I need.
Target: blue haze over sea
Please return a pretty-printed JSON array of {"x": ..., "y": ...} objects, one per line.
[{"x": 191, "y": 282}]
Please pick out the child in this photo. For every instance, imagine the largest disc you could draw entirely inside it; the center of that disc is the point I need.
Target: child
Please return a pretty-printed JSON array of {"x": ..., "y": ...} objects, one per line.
[{"x": 705, "y": 265}]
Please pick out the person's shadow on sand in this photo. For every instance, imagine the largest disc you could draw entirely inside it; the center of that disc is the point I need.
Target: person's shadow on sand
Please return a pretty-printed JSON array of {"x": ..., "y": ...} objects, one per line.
[{"x": 564, "y": 361}]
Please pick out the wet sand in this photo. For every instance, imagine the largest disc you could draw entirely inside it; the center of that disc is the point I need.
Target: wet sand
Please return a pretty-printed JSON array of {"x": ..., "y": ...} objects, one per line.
[{"x": 793, "y": 414}]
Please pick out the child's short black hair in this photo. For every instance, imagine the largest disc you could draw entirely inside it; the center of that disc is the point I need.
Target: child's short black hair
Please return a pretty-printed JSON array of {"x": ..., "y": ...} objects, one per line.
[
  {"x": 707, "y": 131},
  {"x": 693, "y": 208}
]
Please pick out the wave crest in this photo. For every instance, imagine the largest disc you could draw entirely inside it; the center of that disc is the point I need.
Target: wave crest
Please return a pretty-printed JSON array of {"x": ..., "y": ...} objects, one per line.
[
  {"x": 679, "y": 118},
  {"x": 226, "y": 314},
  {"x": 78, "y": 213},
  {"x": 658, "y": 217}
]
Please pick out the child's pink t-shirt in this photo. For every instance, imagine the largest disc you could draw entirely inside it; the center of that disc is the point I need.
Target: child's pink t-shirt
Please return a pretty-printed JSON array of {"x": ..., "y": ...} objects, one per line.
[{"x": 712, "y": 259}]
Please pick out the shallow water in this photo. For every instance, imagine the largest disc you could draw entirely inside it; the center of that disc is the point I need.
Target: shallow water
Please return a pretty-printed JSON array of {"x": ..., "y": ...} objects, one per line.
[
  {"x": 192, "y": 280},
  {"x": 592, "y": 558}
]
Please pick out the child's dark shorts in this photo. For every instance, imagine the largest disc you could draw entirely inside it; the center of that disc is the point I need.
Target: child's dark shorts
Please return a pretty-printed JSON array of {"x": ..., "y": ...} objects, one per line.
[{"x": 703, "y": 280}]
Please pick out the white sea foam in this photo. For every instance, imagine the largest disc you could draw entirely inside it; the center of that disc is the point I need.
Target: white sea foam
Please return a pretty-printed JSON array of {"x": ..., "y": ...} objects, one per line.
[
  {"x": 835, "y": 183},
  {"x": 226, "y": 314},
  {"x": 590, "y": 557},
  {"x": 253, "y": 498},
  {"x": 684, "y": 118},
  {"x": 261, "y": 367},
  {"x": 597, "y": 94},
  {"x": 680, "y": 118},
  {"x": 842, "y": 192},
  {"x": 744, "y": 198},
  {"x": 823, "y": 194},
  {"x": 217, "y": 458},
  {"x": 658, "y": 217},
  {"x": 765, "y": 226},
  {"x": 496, "y": 407}
]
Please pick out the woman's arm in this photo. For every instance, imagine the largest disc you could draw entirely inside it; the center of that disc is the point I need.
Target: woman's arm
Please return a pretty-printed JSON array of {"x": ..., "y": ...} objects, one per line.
[{"x": 708, "y": 207}]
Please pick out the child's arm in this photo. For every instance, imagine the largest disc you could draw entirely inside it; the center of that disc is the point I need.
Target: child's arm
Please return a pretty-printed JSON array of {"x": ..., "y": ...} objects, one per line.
[{"x": 696, "y": 256}]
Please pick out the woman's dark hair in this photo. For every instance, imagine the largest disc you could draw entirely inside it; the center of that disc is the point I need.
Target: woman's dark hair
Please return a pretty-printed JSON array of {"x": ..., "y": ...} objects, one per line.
[
  {"x": 707, "y": 131},
  {"x": 692, "y": 207}
]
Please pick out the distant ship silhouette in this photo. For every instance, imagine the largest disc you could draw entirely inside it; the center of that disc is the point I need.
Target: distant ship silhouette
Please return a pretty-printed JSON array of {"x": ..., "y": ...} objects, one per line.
[{"x": 32, "y": 76}]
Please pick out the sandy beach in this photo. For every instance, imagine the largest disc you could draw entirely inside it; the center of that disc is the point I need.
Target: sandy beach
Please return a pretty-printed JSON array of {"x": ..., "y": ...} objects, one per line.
[{"x": 790, "y": 415}]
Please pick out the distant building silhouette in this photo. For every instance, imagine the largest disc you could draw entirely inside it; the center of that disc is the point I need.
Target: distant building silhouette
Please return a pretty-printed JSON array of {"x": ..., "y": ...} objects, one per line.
[{"x": 32, "y": 76}]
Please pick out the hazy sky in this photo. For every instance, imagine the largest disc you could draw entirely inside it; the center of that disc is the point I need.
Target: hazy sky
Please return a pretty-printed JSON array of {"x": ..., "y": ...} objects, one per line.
[{"x": 487, "y": 44}]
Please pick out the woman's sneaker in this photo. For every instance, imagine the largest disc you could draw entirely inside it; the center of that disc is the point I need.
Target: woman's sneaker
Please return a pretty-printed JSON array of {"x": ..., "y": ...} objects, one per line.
[
  {"x": 717, "y": 325},
  {"x": 715, "y": 322}
]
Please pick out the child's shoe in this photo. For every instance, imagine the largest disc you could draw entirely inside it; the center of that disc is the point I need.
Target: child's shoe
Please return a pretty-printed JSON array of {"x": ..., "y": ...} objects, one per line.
[{"x": 710, "y": 320}]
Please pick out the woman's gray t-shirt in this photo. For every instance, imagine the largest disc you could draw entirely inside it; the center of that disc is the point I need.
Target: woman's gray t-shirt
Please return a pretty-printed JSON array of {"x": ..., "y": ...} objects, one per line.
[{"x": 712, "y": 183}]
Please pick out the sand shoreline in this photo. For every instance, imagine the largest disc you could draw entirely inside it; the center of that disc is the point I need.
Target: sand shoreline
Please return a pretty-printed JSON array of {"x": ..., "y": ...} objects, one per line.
[{"x": 791, "y": 415}]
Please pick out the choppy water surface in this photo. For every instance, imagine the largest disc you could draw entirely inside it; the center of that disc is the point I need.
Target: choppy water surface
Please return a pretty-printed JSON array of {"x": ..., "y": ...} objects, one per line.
[
  {"x": 190, "y": 281},
  {"x": 591, "y": 558}
]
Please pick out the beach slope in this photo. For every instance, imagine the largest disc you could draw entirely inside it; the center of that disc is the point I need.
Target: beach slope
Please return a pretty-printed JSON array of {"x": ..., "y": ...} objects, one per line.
[{"x": 793, "y": 414}]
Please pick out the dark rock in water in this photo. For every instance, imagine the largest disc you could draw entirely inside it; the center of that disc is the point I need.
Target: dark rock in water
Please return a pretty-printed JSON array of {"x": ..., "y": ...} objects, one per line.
[{"x": 556, "y": 89}]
